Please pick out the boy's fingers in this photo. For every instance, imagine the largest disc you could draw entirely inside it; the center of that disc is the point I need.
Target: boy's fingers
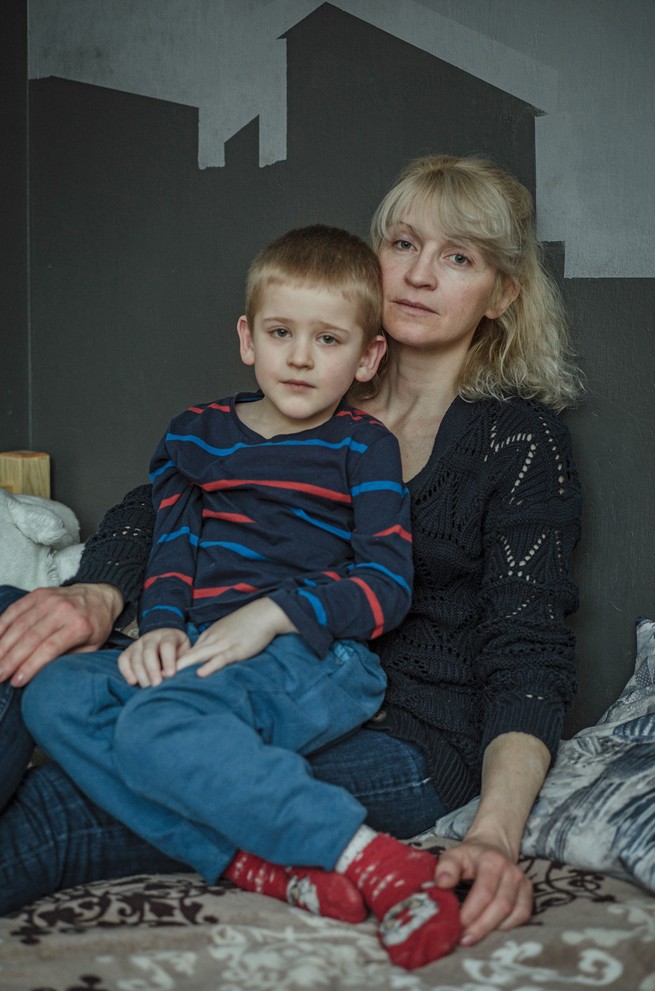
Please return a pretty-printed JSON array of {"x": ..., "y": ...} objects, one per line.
[
  {"x": 168, "y": 655},
  {"x": 126, "y": 669},
  {"x": 199, "y": 653}
]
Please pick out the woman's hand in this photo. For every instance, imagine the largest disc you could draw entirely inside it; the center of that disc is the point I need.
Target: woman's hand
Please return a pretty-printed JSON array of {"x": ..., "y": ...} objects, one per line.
[
  {"x": 242, "y": 634},
  {"x": 49, "y": 622},
  {"x": 500, "y": 896},
  {"x": 153, "y": 656},
  {"x": 513, "y": 770}
]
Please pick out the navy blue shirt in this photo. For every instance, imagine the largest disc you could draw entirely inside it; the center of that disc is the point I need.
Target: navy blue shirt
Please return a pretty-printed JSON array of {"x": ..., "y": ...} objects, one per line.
[{"x": 317, "y": 520}]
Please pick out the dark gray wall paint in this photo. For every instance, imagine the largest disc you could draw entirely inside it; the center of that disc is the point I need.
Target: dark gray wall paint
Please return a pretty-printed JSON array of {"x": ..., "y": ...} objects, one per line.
[
  {"x": 14, "y": 363},
  {"x": 614, "y": 322},
  {"x": 138, "y": 259}
]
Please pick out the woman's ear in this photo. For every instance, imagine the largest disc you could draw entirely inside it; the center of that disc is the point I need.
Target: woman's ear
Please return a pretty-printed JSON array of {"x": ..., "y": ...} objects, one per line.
[
  {"x": 371, "y": 358},
  {"x": 246, "y": 344},
  {"x": 506, "y": 292}
]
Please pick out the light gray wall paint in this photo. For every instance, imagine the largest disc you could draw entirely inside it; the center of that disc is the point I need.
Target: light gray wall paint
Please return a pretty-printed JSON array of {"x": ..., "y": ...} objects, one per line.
[{"x": 586, "y": 64}]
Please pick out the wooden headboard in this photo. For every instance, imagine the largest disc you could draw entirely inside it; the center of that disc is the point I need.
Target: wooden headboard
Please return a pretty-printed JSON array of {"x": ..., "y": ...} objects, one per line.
[{"x": 25, "y": 472}]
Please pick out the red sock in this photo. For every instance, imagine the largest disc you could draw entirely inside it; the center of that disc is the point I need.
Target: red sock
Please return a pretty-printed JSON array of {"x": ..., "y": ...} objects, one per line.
[
  {"x": 321, "y": 892},
  {"x": 419, "y": 922}
]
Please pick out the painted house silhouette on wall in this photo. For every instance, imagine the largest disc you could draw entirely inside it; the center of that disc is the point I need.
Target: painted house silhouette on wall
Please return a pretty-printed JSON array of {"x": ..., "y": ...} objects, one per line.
[{"x": 139, "y": 256}]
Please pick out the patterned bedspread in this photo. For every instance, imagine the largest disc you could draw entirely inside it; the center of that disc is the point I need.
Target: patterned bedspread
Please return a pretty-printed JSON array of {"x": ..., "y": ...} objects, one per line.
[
  {"x": 589, "y": 929},
  {"x": 175, "y": 933}
]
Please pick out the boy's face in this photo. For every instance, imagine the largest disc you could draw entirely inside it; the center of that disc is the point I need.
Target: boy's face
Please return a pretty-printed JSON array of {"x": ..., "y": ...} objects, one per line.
[{"x": 307, "y": 349}]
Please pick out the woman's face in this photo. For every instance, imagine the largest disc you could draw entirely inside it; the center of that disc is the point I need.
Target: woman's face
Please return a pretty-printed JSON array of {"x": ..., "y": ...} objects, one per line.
[{"x": 436, "y": 290}]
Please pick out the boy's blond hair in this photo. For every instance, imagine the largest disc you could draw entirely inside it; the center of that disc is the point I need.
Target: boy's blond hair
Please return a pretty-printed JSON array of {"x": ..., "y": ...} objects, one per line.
[{"x": 326, "y": 257}]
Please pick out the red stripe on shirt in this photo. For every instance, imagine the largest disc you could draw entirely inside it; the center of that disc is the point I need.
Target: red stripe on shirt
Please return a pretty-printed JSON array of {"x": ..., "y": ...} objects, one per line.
[
  {"x": 359, "y": 414},
  {"x": 395, "y": 529},
  {"x": 231, "y": 483},
  {"x": 209, "y": 593},
  {"x": 374, "y": 604},
  {"x": 201, "y": 409},
  {"x": 211, "y": 514},
  {"x": 170, "y": 501},
  {"x": 187, "y": 579}
]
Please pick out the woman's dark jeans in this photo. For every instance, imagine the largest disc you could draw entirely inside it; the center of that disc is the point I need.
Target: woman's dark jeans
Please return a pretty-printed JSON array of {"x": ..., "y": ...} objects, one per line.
[{"x": 16, "y": 744}]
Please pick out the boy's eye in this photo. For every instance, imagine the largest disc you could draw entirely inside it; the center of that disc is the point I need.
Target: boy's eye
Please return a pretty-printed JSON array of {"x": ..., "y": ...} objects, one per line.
[
  {"x": 280, "y": 332},
  {"x": 328, "y": 339}
]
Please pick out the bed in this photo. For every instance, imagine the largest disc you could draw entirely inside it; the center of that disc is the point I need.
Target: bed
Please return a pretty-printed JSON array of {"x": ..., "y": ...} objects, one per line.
[{"x": 176, "y": 933}]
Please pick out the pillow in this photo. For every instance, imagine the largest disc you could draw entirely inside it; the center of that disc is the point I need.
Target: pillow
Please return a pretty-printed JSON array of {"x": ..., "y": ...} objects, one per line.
[
  {"x": 596, "y": 809},
  {"x": 39, "y": 541}
]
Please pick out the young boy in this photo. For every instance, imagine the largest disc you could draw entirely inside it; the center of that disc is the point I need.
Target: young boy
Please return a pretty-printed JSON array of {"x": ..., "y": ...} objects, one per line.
[{"x": 281, "y": 547}]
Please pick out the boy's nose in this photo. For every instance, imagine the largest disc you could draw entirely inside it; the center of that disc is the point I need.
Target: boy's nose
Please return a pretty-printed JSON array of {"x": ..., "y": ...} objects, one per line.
[{"x": 300, "y": 355}]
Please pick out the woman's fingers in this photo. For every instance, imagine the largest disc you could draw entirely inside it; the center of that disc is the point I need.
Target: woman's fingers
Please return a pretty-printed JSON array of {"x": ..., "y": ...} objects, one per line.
[{"x": 500, "y": 896}]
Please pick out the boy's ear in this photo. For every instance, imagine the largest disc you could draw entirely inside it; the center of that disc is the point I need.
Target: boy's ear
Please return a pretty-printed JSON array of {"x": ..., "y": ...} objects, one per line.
[
  {"x": 371, "y": 358},
  {"x": 246, "y": 346}
]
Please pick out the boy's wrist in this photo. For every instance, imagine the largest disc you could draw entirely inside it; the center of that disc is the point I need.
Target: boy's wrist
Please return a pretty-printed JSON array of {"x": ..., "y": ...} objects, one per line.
[{"x": 275, "y": 617}]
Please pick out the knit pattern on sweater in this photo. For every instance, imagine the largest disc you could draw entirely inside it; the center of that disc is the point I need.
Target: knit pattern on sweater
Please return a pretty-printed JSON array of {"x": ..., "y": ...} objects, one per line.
[{"x": 485, "y": 648}]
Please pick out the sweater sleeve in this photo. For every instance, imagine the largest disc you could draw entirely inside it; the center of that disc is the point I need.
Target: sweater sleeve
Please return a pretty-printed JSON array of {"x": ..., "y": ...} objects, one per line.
[
  {"x": 532, "y": 525},
  {"x": 371, "y": 593},
  {"x": 170, "y": 572},
  {"x": 118, "y": 551}
]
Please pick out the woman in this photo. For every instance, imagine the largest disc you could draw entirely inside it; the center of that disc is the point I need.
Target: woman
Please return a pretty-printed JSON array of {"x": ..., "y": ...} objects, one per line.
[{"x": 480, "y": 672}]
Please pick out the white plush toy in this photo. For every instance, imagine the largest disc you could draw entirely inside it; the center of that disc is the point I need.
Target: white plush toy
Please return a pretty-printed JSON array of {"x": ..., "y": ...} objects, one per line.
[{"x": 39, "y": 541}]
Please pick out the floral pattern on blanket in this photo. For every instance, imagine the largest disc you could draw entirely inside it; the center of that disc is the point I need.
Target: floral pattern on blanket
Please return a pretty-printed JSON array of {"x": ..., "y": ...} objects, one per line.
[
  {"x": 176, "y": 933},
  {"x": 597, "y": 806},
  {"x": 179, "y": 900}
]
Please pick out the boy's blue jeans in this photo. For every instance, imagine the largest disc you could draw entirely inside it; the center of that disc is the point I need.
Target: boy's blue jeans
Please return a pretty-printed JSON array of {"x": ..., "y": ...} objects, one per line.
[
  {"x": 201, "y": 767},
  {"x": 52, "y": 836}
]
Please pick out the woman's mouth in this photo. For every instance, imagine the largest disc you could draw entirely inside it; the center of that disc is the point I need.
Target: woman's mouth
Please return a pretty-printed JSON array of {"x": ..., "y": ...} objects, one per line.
[{"x": 410, "y": 304}]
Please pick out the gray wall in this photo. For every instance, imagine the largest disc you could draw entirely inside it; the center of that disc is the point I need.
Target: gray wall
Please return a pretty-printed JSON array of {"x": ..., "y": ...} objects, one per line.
[
  {"x": 14, "y": 363},
  {"x": 166, "y": 149}
]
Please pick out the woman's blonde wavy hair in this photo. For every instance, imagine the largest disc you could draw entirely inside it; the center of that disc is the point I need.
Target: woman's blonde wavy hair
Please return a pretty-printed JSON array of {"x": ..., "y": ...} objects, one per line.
[{"x": 524, "y": 352}]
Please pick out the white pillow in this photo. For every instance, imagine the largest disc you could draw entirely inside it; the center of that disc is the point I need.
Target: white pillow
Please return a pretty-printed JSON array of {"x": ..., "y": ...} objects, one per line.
[
  {"x": 596, "y": 809},
  {"x": 39, "y": 541}
]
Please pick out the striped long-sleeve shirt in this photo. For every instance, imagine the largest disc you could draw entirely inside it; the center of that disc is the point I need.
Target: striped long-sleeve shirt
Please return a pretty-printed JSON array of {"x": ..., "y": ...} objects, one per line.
[{"x": 318, "y": 521}]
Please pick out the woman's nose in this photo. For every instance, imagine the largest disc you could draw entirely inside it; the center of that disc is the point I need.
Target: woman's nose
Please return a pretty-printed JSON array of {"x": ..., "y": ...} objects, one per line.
[{"x": 422, "y": 271}]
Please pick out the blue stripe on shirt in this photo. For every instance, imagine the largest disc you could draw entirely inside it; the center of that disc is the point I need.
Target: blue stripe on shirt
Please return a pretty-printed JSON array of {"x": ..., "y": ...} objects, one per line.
[
  {"x": 240, "y": 549},
  {"x": 344, "y": 534},
  {"x": 184, "y": 531},
  {"x": 317, "y": 606},
  {"x": 374, "y": 566},
  {"x": 381, "y": 486},
  {"x": 224, "y": 451}
]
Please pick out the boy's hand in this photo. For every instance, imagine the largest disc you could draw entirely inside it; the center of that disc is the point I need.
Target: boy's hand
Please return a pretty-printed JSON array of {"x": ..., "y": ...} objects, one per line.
[
  {"x": 153, "y": 657},
  {"x": 236, "y": 637}
]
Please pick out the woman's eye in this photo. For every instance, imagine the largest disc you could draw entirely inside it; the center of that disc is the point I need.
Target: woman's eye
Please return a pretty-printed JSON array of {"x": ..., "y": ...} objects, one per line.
[
  {"x": 403, "y": 244},
  {"x": 460, "y": 259}
]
